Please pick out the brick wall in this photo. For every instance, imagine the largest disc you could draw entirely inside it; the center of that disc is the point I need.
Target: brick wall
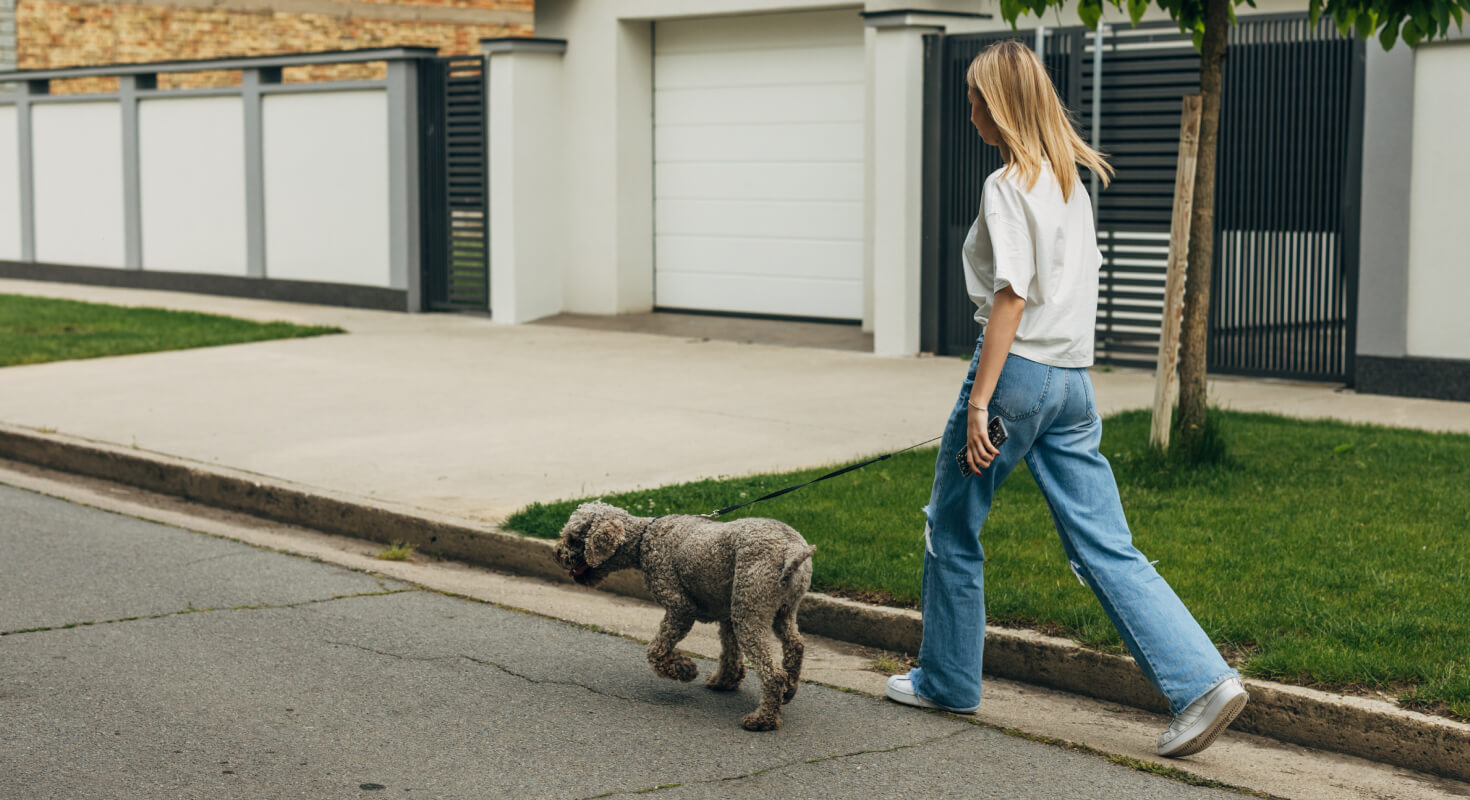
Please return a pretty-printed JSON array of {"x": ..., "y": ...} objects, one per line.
[{"x": 52, "y": 33}]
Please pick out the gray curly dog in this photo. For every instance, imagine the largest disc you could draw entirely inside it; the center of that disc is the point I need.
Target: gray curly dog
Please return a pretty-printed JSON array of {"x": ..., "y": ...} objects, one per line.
[{"x": 748, "y": 575}]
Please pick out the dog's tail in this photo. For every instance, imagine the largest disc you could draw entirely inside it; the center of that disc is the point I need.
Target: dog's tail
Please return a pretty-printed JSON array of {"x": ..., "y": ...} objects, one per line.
[{"x": 794, "y": 560}]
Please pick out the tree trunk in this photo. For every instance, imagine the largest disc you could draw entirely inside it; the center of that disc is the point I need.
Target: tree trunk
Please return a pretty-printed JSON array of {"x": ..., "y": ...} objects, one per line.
[{"x": 1201, "y": 232}]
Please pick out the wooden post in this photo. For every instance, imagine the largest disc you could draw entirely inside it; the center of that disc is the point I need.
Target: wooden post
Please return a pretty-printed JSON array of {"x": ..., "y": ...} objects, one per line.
[{"x": 1166, "y": 385}]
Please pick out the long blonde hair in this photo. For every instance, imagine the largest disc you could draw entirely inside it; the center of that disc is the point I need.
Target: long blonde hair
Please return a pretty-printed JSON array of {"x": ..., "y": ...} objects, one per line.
[{"x": 1033, "y": 123}]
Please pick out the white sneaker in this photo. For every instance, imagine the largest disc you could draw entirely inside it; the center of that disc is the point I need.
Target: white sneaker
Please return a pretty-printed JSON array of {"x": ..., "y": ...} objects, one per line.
[
  {"x": 901, "y": 689},
  {"x": 1201, "y": 721}
]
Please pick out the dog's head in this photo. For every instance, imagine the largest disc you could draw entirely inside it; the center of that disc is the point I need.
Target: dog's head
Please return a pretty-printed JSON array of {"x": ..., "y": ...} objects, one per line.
[{"x": 590, "y": 538}]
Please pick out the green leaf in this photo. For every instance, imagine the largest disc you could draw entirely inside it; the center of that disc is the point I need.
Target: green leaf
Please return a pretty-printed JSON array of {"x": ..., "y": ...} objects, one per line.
[
  {"x": 1199, "y": 39},
  {"x": 1420, "y": 23},
  {"x": 1442, "y": 15},
  {"x": 1089, "y": 11},
  {"x": 1136, "y": 9},
  {"x": 1459, "y": 16},
  {"x": 1009, "y": 11},
  {"x": 1366, "y": 22},
  {"x": 1390, "y": 33},
  {"x": 1314, "y": 12},
  {"x": 1411, "y": 35}
]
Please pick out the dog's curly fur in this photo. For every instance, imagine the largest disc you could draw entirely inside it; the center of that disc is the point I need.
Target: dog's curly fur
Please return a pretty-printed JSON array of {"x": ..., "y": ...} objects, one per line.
[{"x": 748, "y": 575}]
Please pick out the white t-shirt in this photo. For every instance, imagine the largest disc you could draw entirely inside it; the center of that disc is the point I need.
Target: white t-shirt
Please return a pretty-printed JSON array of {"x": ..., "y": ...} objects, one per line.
[{"x": 1045, "y": 249}]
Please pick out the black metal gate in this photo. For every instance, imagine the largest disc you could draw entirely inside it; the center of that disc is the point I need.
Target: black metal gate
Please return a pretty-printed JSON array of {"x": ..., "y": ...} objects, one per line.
[
  {"x": 1283, "y": 297},
  {"x": 454, "y": 192},
  {"x": 956, "y": 163}
]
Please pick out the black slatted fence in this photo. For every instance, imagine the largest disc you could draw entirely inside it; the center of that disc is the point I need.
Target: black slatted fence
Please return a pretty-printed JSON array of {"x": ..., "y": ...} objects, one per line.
[
  {"x": 454, "y": 192},
  {"x": 1288, "y": 181}
]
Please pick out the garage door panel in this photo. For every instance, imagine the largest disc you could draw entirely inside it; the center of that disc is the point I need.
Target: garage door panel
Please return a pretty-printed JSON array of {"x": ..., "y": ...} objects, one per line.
[
  {"x": 813, "y": 142},
  {"x": 758, "y": 163},
  {"x": 841, "y": 63},
  {"x": 758, "y": 181},
  {"x": 747, "y": 257},
  {"x": 758, "y": 31},
  {"x": 756, "y": 104},
  {"x": 786, "y": 296},
  {"x": 839, "y": 220}
]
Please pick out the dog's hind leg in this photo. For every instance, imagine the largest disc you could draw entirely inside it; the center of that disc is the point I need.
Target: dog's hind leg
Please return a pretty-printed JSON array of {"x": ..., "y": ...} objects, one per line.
[
  {"x": 732, "y": 667},
  {"x": 661, "y": 655},
  {"x": 793, "y": 649},
  {"x": 750, "y": 631}
]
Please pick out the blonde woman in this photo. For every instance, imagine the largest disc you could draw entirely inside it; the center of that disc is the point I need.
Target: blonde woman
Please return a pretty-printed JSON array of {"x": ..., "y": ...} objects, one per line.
[{"x": 1031, "y": 265}]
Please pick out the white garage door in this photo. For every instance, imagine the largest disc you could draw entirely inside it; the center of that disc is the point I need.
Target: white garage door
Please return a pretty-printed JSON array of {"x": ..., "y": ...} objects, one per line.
[{"x": 758, "y": 164}]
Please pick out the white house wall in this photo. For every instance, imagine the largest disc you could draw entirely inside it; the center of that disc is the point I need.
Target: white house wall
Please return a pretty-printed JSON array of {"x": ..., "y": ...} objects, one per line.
[
  {"x": 529, "y": 231},
  {"x": 191, "y": 154},
  {"x": 77, "y": 155},
  {"x": 1439, "y": 266},
  {"x": 607, "y": 196},
  {"x": 326, "y": 186},
  {"x": 9, "y": 184}
]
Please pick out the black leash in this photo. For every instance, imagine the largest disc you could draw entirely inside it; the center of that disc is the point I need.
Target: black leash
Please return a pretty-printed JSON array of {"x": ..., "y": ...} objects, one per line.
[{"x": 789, "y": 489}]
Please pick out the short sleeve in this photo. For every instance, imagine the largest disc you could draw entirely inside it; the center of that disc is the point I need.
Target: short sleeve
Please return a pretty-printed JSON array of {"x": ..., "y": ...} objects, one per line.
[{"x": 1010, "y": 236}]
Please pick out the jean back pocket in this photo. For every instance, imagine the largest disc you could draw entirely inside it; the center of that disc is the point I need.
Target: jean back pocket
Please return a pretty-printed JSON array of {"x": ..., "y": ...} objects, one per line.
[{"x": 1021, "y": 389}]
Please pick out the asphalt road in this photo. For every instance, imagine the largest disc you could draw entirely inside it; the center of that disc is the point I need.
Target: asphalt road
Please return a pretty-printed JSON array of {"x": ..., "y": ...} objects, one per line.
[{"x": 144, "y": 661}]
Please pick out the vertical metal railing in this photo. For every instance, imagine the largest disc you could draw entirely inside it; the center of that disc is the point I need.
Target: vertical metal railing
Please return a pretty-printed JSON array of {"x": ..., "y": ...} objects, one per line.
[
  {"x": 1289, "y": 153},
  {"x": 1282, "y": 297},
  {"x": 962, "y": 163},
  {"x": 456, "y": 191}
]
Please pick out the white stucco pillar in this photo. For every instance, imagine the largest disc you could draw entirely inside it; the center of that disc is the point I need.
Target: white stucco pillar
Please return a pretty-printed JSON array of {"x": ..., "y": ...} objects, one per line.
[
  {"x": 896, "y": 194},
  {"x": 524, "y": 132}
]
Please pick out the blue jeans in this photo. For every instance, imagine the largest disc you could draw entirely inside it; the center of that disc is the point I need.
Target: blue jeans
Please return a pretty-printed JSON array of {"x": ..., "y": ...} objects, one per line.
[{"x": 1053, "y": 425}]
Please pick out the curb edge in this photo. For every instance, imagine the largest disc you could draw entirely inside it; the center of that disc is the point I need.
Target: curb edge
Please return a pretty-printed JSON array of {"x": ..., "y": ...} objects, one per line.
[{"x": 1371, "y": 729}]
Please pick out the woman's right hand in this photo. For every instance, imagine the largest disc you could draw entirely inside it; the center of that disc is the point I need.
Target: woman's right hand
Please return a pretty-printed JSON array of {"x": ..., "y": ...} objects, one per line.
[{"x": 977, "y": 440}]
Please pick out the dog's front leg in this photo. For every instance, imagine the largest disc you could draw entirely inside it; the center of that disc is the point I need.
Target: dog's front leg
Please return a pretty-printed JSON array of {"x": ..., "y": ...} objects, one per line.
[{"x": 661, "y": 655}]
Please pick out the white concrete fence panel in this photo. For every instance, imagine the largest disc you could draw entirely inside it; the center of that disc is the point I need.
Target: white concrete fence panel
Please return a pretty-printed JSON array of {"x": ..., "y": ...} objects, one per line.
[
  {"x": 326, "y": 186},
  {"x": 304, "y": 191},
  {"x": 78, "y": 157},
  {"x": 9, "y": 184},
  {"x": 191, "y": 157},
  {"x": 1439, "y": 269}
]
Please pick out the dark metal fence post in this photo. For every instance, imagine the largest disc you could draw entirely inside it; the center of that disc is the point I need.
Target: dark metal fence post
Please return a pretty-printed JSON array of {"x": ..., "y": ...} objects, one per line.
[
  {"x": 1352, "y": 206},
  {"x": 933, "y": 213}
]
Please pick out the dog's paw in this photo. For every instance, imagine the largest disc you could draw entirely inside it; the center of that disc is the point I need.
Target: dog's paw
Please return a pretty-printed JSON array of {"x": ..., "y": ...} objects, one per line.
[
  {"x": 722, "y": 682},
  {"x": 685, "y": 670},
  {"x": 679, "y": 668},
  {"x": 760, "y": 720}
]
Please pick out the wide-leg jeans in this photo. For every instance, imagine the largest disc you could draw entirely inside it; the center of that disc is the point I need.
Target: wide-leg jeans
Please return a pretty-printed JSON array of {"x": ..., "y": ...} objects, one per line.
[{"x": 1054, "y": 427}]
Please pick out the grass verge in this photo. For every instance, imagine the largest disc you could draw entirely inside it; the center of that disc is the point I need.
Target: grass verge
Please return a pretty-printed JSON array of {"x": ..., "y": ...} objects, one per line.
[
  {"x": 34, "y": 330},
  {"x": 398, "y": 551},
  {"x": 1318, "y": 553}
]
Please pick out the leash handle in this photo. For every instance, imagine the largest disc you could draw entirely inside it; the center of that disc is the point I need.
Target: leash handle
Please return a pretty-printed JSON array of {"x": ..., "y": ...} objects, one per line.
[{"x": 789, "y": 489}]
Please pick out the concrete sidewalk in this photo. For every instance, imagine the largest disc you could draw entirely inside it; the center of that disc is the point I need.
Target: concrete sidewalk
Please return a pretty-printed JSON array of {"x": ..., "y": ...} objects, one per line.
[{"x": 461, "y": 416}]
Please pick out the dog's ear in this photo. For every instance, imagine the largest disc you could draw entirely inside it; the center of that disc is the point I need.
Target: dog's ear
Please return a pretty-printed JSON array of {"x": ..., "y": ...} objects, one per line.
[{"x": 603, "y": 539}]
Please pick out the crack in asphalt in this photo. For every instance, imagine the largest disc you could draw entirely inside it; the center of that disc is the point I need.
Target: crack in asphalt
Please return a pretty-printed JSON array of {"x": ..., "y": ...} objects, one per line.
[
  {"x": 248, "y": 607},
  {"x": 214, "y": 558},
  {"x": 540, "y": 682},
  {"x": 507, "y": 670},
  {"x": 802, "y": 762}
]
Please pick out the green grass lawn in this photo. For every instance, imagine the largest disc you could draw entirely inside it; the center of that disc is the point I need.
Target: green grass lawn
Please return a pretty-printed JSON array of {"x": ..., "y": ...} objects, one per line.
[
  {"x": 34, "y": 330},
  {"x": 1321, "y": 553}
]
